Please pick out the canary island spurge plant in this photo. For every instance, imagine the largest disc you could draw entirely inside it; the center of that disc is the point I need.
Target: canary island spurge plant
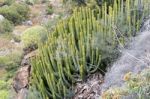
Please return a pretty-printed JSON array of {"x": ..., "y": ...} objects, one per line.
[{"x": 81, "y": 44}]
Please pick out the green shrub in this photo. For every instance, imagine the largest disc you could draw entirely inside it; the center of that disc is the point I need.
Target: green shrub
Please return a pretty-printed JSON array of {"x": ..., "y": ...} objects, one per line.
[
  {"x": 4, "y": 94},
  {"x": 15, "y": 13},
  {"x": 3, "y": 85},
  {"x": 10, "y": 13},
  {"x": 6, "y": 26},
  {"x": 90, "y": 2},
  {"x": 31, "y": 2},
  {"x": 8, "y": 2},
  {"x": 17, "y": 38},
  {"x": 4, "y": 89},
  {"x": 11, "y": 61},
  {"x": 49, "y": 9},
  {"x": 22, "y": 10},
  {"x": 33, "y": 36}
]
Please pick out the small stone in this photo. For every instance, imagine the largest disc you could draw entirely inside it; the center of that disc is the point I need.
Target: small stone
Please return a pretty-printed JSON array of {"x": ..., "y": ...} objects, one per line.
[
  {"x": 1, "y": 18},
  {"x": 54, "y": 16},
  {"x": 12, "y": 41},
  {"x": 28, "y": 23}
]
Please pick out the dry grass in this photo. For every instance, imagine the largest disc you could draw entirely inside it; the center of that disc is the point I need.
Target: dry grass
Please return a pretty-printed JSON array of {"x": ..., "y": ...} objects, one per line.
[
  {"x": 19, "y": 29},
  {"x": 1, "y": 1},
  {"x": 5, "y": 43},
  {"x": 37, "y": 10},
  {"x": 2, "y": 72}
]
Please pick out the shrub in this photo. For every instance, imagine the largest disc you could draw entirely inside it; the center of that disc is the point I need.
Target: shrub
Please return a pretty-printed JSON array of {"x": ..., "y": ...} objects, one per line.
[
  {"x": 3, "y": 85},
  {"x": 33, "y": 36},
  {"x": 11, "y": 61},
  {"x": 5, "y": 26},
  {"x": 22, "y": 10},
  {"x": 8, "y": 2},
  {"x": 49, "y": 9},
  {"x": 4, "y": 94},
  {"x": 90, "y": 2},
  {"x": 31, "y": 2},
  {"x": 15, "y": 13},
  {"x": 17, "y": 38}
]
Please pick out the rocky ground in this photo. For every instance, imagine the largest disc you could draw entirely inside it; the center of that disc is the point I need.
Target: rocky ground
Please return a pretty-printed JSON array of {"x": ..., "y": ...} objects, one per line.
[{"x": 89, "y": 89}]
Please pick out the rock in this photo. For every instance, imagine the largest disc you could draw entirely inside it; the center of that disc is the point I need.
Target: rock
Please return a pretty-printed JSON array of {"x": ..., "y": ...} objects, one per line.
[
  {"x": 89, "y": 89},
  {"x": 28, "y": 23},
  {"x": 21, "y": 79},
  {"x": 29, "y": 49},
  {"x": 26, "y": 61},
  {"x": 30, "y": 55},
  {"x": 1, "y": 4},
  {"x": 22, "y": 94},
  {"x": 12, "y": 41},
  {"x": 1, "y": 18},
  {"x": 54, "y": 16},
  {"x": 5, "y": 52}
]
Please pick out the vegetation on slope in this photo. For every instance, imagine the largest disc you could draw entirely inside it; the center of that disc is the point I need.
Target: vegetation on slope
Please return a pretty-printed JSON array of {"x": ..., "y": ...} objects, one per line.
[
  {"x": 82, "y": 44},
  {"x": 15, "y": 13},
  {"x": 6, "y": 26},
  {"x": 137, "y": 86},
  {"x": 12, "y": 13}
]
